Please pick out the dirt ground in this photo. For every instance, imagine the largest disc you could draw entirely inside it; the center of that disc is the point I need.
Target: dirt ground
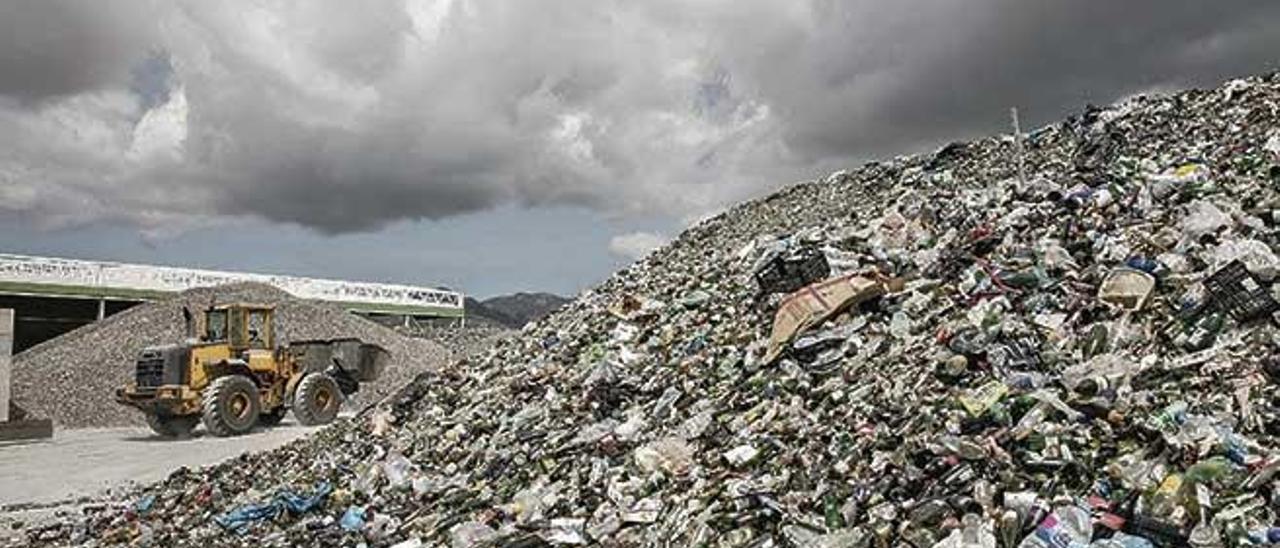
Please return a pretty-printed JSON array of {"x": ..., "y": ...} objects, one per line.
[{"x": 40, "y": 478}]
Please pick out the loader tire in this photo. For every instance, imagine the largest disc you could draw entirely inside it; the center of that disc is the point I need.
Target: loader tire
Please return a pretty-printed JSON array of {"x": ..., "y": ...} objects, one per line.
[
  {"x": 230, "y": 406},
  {"x": 317, "y": 399},
  {"x": 273, "y": 417},
  {"x": 172, "y": 427}
]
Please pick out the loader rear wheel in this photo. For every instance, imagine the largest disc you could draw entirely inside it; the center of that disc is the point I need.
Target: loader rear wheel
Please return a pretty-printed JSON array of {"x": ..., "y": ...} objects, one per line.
[
  {"x": 230, "y": 406},
  {"x": 317, "y": 399},
  {"x": 172, "y": 427}
]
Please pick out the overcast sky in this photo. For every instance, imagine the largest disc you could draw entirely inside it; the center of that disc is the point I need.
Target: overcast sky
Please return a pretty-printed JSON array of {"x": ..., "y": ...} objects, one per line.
[{"x": 496, "y": 146}]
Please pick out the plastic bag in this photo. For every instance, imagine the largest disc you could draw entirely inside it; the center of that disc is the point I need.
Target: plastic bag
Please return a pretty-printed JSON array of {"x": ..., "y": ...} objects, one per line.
[
  {"x": 1066, "y": 527},
  {"x": 672, "y": 456},
  {"x": 974, "y": 533},
  {"x": 1203, "y": 218},
  {"x": 470, "y": 533},
  {"x": 1257, "y": 257},
  {"x": 397, "y": 469}
]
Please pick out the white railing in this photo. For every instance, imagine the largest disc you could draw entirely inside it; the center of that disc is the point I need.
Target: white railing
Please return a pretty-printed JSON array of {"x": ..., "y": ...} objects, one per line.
[{"x": 104, "y": 276}]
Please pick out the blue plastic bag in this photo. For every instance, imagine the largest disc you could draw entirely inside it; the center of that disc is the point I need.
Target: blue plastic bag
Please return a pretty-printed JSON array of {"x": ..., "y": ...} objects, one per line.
[{"x": 241, "y": 518}]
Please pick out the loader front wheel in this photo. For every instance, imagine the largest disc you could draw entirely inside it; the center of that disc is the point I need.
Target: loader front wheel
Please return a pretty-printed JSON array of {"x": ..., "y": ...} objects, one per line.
[
  {"x": 230, "y": 406},
  {"x": 317, "y": 399},
  {"x": 172, "y": 427}
]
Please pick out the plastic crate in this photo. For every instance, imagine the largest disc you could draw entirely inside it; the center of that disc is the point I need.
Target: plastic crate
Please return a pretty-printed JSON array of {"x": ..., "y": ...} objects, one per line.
[
  {"x": 1233, "y": 290},
  {"x": 788, "y": 273}
]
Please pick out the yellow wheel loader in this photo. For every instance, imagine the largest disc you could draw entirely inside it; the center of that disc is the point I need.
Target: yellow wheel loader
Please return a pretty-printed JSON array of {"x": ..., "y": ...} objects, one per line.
[{"x": 234, "y": 376}]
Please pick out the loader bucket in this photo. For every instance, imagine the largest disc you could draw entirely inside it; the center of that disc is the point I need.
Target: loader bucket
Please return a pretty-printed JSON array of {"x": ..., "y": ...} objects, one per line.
[
  {"x": 363, "y": 361},
  {"x": 373, "y": 359}
]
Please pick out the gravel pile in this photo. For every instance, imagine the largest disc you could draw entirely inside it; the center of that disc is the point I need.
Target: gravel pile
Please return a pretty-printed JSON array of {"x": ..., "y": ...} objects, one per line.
[
  {"x": 475, "y": 338},
  {"x": 72, "y": 379},
  {"x": 1084, "y": 356}
]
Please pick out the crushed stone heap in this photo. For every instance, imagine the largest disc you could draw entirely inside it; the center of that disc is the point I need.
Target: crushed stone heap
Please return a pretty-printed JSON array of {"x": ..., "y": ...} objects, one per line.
[
  {"x": 475, "y": 337},
  {"x": 72, "y": 379},
  {"x": 1084, "y": 357}
]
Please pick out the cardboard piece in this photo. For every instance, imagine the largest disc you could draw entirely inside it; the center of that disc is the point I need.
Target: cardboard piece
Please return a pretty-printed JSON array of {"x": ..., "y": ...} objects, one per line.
[{"x": 816, "y": 303}]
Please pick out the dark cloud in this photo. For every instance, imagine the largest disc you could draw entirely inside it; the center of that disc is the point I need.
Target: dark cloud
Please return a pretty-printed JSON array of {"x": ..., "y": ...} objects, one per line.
[
  {"x": 54, "y": 48},
  {"x": 350, "y": 117},
  {"x": 950, "y": 69}
]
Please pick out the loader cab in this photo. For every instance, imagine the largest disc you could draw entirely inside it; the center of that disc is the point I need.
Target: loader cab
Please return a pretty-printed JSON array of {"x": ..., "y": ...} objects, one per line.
[{"x": 240, "y": 326}]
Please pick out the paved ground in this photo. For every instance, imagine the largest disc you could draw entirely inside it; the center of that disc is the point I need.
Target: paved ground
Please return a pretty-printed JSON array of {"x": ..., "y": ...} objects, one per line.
[{"x": 39, "y": 478}]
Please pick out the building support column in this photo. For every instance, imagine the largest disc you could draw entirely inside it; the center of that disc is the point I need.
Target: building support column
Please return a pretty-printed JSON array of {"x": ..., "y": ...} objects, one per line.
[
  {"x": 6, "y": 361},
  {"x": 102, "y": 309}
]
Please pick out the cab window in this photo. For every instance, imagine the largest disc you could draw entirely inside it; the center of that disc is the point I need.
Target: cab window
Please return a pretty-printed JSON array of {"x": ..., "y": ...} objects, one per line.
[
  {"x": 216, "y": 325},
  {"x": 258, "y": 329}
]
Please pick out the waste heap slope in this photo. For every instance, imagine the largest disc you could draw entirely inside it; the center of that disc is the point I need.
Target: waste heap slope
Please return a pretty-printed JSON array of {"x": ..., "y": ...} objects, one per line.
[
  {"x": 72, "y": 378},
  {"x": 1084, "y": 355}
]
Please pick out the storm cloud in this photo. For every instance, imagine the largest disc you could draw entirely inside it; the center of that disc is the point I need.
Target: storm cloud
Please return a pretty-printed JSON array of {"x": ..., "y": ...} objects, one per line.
[{"x": 349, "y": 116}]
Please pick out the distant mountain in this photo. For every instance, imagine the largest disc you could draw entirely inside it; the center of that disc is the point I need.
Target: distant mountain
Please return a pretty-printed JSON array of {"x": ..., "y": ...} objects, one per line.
[
  {"x": 478, "y": 313},
  {"x": 515, "y": 310}
]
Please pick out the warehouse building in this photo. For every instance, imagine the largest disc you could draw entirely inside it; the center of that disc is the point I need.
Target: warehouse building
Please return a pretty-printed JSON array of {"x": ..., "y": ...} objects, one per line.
[{"x": 51, "y": 296}]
